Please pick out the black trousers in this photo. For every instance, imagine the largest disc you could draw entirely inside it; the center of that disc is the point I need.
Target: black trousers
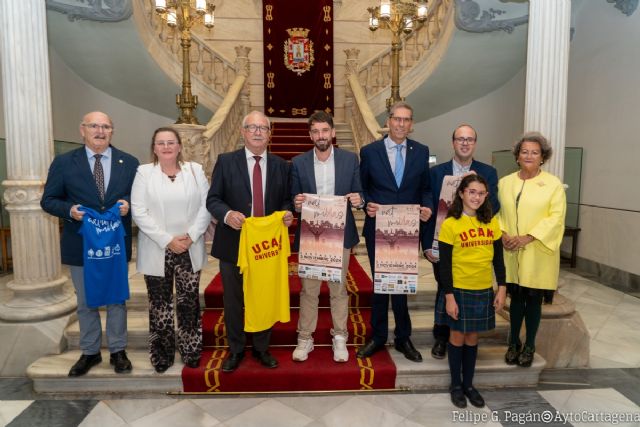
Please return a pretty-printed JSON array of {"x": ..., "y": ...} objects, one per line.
[{"x": 233, "y": 299}]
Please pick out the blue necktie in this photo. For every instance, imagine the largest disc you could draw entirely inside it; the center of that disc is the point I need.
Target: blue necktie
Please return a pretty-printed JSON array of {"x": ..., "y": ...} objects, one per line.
[{"x": 399, "y": 165}]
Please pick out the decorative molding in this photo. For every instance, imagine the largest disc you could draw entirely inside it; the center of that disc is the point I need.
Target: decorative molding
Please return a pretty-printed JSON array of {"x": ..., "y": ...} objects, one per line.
[
  {"x": 93, "y": 10},
  {"x": 21, "y": 193},
  {"x": 625, "y": 6},
  {"x": 469, "y": 17}
]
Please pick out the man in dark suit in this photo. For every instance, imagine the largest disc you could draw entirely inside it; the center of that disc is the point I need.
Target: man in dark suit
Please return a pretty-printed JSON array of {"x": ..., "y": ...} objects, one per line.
[
  {"x": 464, "y": 140},
  {"x": 246, "y": 182},
  {"x": 394, "y": 170},
  {"x": 326, "y": 170},
  {"x": 95, "y": 176}
]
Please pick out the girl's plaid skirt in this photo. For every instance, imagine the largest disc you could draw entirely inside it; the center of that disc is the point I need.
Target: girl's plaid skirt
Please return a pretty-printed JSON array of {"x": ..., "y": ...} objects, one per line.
[{"x": 475, "y": 311}]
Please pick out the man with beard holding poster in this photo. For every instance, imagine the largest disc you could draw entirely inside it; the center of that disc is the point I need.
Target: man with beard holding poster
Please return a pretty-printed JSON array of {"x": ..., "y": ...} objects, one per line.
[{"x": 326, "y": 170}]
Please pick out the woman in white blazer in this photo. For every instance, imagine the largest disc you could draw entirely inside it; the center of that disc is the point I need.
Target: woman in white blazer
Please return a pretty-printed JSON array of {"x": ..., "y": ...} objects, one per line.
[{"x": 168, "y": 203}]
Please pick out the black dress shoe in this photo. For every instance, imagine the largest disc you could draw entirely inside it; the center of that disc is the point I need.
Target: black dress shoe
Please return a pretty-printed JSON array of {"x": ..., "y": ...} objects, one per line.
[
  {"x": 193, "y": 363},
  {"x": 409, "y": 351},
  {"x": 457, "y": 397},
  {"x": 369, "y": 349},
  {"x": 86, "y": 362},
  {"x": 525, "y": 359},
  {"x": 120, "y": 362},
  {"x": 265, "y": 358},
  {"x": 511, "y": 356},
  {"x": 439, "y": 349},
  {"x": 474, "y": 397},
  {"x": 232, "y": 362},
  {"x": 162, "y": 367}
]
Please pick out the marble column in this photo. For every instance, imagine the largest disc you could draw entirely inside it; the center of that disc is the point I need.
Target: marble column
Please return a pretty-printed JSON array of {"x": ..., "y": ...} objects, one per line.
[
  {"x": 39, "y": 289},
  {"x": 547, "y": 75}
]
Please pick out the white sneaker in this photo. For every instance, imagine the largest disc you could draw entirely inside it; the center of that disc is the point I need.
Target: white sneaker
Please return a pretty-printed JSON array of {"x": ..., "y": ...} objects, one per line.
[
  {"x": 340, "y": 352},
  {"x": 304, "y": 347}
]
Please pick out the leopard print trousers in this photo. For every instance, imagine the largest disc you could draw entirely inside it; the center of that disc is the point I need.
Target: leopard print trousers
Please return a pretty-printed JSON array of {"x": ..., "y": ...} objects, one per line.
[{"x": 162, "y": 336}]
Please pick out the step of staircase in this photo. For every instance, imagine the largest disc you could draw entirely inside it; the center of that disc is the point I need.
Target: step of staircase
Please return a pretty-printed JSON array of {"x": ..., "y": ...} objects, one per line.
[
  {"x": 422, "y": 322},
  {"x": 49, "y": 374}
]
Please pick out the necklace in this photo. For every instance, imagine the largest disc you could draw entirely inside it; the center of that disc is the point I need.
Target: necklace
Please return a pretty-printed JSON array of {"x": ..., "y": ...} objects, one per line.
[
  {"x": 531, "y": 177},
  {"x": 171, "y": 177}
]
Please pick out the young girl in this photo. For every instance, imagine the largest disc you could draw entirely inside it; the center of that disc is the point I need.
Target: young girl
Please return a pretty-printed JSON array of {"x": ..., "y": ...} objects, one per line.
[{"x": 469, "y": 244}]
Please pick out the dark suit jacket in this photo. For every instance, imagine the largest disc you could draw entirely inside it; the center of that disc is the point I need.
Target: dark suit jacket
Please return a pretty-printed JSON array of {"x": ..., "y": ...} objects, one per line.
[
  {"x": 379, "y": 184},
  {"x": 71, "y": 182},
  {"x": 347, "y": 177},
  {"x": 231, "y": 190},
  {"x": 438, "y": 173}
]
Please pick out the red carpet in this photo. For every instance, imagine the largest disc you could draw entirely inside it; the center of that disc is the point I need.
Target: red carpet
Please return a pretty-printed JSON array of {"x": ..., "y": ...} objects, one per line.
[
  {"x": 318, "y": 373},
  {"x": 289, "y": 139}
]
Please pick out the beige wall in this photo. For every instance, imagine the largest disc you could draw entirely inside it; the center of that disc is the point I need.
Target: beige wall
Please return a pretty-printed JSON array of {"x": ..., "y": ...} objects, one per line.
[
  {"x": 498, "y": 118},
  {"x": 602, "y": 116},
  {"x": 72, "y": 97}
]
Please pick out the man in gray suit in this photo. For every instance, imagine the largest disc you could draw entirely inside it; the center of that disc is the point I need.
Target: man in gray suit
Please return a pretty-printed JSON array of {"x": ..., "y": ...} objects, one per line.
[{"x": 326, "y": 170}]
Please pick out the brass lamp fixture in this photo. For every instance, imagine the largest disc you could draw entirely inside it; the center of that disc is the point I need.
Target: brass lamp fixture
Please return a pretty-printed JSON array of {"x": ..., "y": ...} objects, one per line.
[
  {"x": 183, "y": 15},
  {"x": 400, "y": 17}
]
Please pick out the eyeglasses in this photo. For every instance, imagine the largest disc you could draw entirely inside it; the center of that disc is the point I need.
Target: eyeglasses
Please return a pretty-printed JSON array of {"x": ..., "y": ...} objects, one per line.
[
  {"x": 401, "y": 119},
  {"x": 165, "y": 143},
  {"x": 94, "y": 127},
  {"x": 474, "y": 193},
  {"x": 254, "y": 128},
  {"x": 465, "y": 141}
]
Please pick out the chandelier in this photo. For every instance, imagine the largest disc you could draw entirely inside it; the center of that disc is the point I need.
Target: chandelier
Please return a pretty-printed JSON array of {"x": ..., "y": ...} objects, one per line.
[
  {"x": 399, "y": 17},
  {"x": 183, "y": 15}
]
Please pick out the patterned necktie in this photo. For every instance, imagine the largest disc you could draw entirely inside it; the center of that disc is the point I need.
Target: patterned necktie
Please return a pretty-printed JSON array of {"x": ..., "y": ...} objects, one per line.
[
  {"x": 258, "y": 203},
  {"x": 98, "y": 175},
  {"x": 399, "y": 165}
]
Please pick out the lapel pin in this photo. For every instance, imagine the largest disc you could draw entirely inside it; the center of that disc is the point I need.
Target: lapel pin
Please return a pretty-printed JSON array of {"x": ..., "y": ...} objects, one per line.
[{"x": 120, "y": 161}]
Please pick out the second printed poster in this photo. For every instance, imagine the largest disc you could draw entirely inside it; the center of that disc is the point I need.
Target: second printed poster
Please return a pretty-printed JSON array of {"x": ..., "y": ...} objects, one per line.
[{"x": 397, "y": 243}]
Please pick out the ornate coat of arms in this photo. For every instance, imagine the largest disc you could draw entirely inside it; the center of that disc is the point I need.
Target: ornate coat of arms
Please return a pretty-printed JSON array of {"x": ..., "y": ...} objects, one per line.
[{"x": 298, "y": 51}]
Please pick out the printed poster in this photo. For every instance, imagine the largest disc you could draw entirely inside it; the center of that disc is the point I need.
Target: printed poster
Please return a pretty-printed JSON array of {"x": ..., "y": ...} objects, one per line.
[
  {"x": 397, "y": 249},
  {"x": 450, "y": 184},
  {"x": 322, "y": 225}
]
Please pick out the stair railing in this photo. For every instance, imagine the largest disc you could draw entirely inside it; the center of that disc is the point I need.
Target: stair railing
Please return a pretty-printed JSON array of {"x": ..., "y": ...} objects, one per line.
[{"x": 222, "y": 133}]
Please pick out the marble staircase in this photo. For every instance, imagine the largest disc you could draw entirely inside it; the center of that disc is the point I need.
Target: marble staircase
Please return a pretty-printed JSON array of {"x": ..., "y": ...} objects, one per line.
[{"x": 49, "y": 374}]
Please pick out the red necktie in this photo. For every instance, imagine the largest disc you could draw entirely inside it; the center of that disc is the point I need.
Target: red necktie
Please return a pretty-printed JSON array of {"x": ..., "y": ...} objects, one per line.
[{"x": 258, "y": 203}]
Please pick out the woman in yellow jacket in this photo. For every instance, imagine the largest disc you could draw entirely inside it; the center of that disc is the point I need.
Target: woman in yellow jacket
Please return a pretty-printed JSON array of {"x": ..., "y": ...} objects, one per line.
[{"x": 532, "y": 212}]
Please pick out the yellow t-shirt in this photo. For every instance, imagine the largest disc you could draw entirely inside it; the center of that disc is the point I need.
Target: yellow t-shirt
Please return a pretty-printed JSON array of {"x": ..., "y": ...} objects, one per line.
[
  {"x": 472, "y": 255},
  {"x": 263, "y": 261}
]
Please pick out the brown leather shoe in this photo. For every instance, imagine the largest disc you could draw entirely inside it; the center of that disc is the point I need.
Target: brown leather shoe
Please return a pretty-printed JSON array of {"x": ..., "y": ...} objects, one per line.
[{"x": 86, "y": 362}]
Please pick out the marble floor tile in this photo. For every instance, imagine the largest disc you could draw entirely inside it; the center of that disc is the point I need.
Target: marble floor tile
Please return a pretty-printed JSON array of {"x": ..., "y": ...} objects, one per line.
[
  {"x": 518, "y": 406},
  {"x": 10, "y": 409},
  {"x": 224, "y": 408},
  {"x": 102, "y": 416},
  {"x": 132, "y": 409},
  {"x": 606, "y": 355},
  {"x": 578, "y": 404},
  {"x": 401, "y": 404},
  {"x": 438, "y": 411},
  {"x": 357, "y": 411},
  {"x": 182, "y": 413},
  {"x": 315, "y": 406},
  {"x": 16, "y": 389},
  {"x": 270, "y": 413},
  {"x": 53, "y": 413}
]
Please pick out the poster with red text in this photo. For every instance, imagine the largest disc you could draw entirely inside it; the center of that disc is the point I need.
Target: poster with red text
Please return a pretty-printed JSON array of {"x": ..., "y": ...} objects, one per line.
[
  {"x": 397, "y": 249},
  {"x": 322, "y": 225}
]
